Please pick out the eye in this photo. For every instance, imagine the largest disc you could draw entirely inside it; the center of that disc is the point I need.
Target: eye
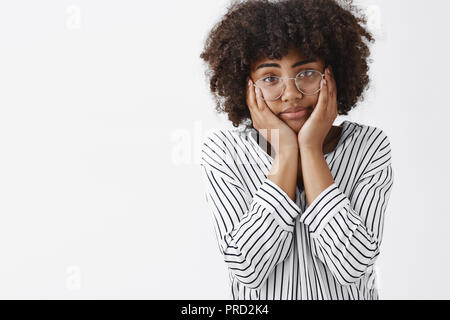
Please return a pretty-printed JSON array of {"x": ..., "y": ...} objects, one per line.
[
  {"x": 270, "y": 79},
  {"x": 306, "y": 74}
]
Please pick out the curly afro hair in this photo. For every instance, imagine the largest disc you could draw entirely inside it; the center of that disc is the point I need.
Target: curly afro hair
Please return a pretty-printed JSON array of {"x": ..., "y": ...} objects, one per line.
[{"x": 331, "y": 30}]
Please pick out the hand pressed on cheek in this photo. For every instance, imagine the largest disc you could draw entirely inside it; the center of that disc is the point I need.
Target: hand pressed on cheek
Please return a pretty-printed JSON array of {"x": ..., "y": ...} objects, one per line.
[{"x": 318, "y": 125}]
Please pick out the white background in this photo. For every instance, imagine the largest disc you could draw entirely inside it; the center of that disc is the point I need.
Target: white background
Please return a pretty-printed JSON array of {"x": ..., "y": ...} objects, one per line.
[{"x": 102, "y": 108}]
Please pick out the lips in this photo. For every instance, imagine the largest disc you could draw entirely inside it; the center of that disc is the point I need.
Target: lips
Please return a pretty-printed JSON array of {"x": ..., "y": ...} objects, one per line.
[
  {"x": 295, "y": 113},
  {"x": 294, "y": 109}
]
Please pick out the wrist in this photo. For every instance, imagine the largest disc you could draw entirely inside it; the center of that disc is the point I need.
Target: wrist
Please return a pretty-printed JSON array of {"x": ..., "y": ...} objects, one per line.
[
  {"x": 310, "y": 149},
  {"x": 288, "y": 154}
]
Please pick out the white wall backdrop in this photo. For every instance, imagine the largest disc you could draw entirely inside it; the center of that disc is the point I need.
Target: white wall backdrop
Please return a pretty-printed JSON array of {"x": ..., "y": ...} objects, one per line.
[{"x": 100, "y": 190}]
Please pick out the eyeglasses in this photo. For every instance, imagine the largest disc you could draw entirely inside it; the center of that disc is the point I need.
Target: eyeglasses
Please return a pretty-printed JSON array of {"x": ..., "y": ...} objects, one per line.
[{"x": 308, "y": 82}]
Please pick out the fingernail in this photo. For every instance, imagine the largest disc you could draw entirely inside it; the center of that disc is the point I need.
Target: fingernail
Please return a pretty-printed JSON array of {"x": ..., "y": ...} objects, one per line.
[{"x": 324, "y": 82}]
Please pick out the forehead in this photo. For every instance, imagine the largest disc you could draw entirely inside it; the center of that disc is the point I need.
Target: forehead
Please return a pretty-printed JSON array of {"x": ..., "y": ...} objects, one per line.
[{"x": 294, "y": 55}]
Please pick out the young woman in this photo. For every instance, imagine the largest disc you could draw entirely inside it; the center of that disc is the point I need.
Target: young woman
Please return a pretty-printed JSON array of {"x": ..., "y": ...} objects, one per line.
[{"x": 297, "y": 203}]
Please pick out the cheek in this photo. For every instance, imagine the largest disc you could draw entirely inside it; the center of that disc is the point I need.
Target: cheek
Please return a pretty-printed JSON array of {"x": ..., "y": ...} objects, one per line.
[
  {"x": 312, "y": 100},
  {"x": 273, "y": 106}
]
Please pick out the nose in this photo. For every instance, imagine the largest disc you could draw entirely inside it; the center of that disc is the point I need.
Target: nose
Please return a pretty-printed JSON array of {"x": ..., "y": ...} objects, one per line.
[{"x": 290, "y": 91}]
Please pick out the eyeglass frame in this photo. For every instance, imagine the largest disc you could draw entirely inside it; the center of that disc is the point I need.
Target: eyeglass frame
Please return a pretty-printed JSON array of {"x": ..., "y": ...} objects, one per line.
[{"x": 286, "y": 78}]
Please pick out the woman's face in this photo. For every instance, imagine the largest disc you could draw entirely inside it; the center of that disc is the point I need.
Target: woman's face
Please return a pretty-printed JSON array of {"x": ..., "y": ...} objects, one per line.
[{"x": 289, "y": 66}]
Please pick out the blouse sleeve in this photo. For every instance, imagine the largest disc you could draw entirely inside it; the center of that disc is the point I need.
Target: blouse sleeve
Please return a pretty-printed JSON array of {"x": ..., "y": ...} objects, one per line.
[
  {"x": 254, "y": 233},
  {"x": 347, "y": 232}
]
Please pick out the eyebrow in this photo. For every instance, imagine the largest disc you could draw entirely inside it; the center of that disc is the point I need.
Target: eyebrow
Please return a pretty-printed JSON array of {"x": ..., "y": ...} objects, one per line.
[{"x": 276, "y": 65}]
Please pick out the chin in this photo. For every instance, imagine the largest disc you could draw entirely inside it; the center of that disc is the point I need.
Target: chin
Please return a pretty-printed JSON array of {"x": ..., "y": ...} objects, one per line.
[{"x": 296, "y": 124}]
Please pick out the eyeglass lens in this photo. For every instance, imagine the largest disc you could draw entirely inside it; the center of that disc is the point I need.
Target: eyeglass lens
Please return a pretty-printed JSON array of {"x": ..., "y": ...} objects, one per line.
[{"x": 308, "y": 82}]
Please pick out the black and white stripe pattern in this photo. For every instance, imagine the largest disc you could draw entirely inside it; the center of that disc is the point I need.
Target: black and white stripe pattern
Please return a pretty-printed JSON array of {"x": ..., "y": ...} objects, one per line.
[{"x": 276, "y": 248}]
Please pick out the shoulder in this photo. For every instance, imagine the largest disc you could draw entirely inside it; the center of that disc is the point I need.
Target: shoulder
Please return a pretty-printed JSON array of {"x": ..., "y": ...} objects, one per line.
[
  {"x": 374, "y": 138},
  {"x": 375, "y": 147},
  {"x": 218, "y": 144},
  {"x": 223, "y": 138}
]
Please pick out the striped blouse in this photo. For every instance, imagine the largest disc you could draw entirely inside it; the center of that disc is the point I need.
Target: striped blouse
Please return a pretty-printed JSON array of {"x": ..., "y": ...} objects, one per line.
[{"x": 277, "y": 248}]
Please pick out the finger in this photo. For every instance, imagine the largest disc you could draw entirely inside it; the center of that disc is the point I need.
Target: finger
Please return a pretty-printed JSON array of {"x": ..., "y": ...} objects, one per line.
[
  {"x": 323, "y": 97},
  {"x": 328, "y": 89},
  {"x": 331, "y": 83},
  {"x": 250, "y": 95},
  {"x": 332, "y": 91},
  {"x": 259, "y": 100}
]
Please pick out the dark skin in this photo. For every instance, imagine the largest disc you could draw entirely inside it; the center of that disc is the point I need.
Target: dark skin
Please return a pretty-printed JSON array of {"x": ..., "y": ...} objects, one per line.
[
  {"x": 291, "y": 96},
  {"x": 333, "y": 139},
  {"x": 330, "y": 145}
]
